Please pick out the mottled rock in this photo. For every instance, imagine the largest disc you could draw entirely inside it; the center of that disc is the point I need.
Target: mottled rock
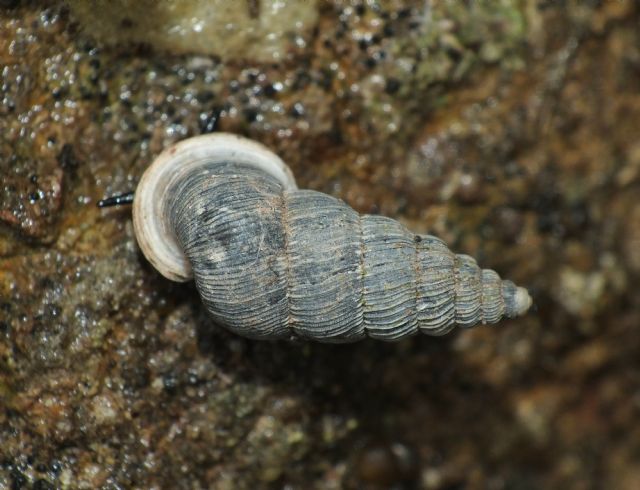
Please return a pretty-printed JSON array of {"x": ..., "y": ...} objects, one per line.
[
  {"x": 31, "y": 196},
  {"x": 508, "y": 128},
  {"x": 257, "y": 30}
]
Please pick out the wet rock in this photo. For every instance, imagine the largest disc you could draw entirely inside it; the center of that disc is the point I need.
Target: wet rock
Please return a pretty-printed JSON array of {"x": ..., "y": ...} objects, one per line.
[
  {"x": 31, "y": 197},
  {"x": 631, "y": 238},
  {"x": 508, "y": 223},
  {"x": 258, "y": 30},
  {"x": 578, "y": 292},
  {"x": 383, "y": 465},
  {"x": 507, "y": 128}
]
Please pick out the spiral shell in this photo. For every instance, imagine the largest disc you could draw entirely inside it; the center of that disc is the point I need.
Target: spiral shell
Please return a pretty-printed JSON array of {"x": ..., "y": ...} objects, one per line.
[{"x": 271, "y": 261}]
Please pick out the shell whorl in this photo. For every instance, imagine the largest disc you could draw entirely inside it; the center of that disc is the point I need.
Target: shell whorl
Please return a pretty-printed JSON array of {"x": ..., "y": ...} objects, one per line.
[
  {"x": 271, "y": 261},
  {"x": 156, "y": 238}
]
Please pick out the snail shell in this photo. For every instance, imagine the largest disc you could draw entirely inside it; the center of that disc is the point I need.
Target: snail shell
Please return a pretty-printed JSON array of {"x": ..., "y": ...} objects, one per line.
[{"x": 272, "y": 261}]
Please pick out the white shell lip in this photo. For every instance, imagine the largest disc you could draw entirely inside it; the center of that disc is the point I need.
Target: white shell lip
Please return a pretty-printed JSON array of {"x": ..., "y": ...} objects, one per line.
[{"x": 150, "y": 219}]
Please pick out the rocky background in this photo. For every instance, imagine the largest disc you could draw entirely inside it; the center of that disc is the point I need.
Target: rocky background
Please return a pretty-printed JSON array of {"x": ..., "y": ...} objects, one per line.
[{"x": 509, "y": 128}]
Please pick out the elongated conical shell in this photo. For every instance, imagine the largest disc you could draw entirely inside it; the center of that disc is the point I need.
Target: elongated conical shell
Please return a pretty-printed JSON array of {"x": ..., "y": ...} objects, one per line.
[
  {"x": 271, "y": 261},
  {"x": 275, "y": 262}
]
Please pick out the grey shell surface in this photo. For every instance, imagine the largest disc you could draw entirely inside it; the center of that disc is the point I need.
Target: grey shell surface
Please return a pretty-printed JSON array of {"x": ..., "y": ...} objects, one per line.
[{"x": 274, "y": 263}]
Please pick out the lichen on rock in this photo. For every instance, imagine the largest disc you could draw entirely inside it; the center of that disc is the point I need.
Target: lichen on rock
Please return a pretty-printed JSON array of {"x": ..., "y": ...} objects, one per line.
[{"x": 255, "y": 30}]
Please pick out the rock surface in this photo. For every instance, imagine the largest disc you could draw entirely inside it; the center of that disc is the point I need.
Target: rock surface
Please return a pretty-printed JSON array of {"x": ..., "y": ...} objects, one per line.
[{"x": 507, "y": 128}]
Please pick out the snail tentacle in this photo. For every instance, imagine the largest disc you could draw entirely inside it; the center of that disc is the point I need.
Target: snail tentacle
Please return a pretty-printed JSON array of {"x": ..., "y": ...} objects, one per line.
[{"x": 126, "y": 198}]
